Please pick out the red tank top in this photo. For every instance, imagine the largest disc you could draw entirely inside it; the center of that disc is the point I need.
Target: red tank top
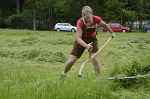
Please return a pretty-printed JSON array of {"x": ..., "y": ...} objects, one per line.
[{"x": 82, "y": 26}]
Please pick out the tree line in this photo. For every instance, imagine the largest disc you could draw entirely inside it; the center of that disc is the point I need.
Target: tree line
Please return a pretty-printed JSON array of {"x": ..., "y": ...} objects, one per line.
[{"x": 44, "y": 14}]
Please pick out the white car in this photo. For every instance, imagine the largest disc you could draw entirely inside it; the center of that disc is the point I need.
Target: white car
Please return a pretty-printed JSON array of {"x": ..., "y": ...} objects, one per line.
[{"x": 65, "y": 27}]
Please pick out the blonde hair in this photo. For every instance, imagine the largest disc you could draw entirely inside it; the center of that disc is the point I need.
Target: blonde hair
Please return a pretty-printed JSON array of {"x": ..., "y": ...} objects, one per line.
[{"x": 86, "y": 10}]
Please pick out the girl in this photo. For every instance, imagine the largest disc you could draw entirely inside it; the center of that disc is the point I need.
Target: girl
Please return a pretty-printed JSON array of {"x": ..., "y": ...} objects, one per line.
[{"x": 86, "y": 39}]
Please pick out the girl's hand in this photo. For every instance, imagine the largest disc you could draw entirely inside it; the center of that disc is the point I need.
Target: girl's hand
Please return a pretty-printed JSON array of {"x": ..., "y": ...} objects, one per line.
[
  {"x": 89, "y": 46},
  {"x": 112, "y": 35}
]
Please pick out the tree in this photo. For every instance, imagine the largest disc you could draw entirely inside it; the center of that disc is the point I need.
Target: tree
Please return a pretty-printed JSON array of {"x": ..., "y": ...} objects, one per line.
[
  {"x": 141, "y": 8},
  {"x": 44, "y": 14},
  {"x": 29, "y": 8},
  {"x": 18, "y": 6},
  {"x": 34, "y": 14}
]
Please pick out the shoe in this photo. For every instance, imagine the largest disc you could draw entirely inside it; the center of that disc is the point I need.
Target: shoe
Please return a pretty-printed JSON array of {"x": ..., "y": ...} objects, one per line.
[
  {"x": 98, "y": 78},
  {"x": 79, "y": 75},
  {"x": 63, "y": 75}
]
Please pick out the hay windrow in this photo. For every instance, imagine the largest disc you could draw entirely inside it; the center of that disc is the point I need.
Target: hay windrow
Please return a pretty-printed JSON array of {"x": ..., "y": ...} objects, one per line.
[
  {"x": 35, "y": 54},
  {"x": 30, "y": 40},
  {"x": 62, "y": 42}
]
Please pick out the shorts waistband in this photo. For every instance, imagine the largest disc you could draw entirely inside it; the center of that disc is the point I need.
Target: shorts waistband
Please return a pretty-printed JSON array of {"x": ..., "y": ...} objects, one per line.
[{"x": 89, "y": 37}]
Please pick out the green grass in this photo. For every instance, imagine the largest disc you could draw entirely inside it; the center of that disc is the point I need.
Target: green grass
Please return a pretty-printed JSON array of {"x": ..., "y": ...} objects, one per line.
[{"x": 31, "y": 63}]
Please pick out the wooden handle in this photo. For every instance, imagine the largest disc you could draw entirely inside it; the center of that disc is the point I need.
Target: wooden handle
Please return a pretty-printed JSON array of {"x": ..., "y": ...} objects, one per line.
[
  {"x": 90, "y": 58},
  {"x": 101, "y": 47}
]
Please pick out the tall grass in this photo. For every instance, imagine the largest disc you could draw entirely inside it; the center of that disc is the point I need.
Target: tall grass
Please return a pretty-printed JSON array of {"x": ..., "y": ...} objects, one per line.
[{"x": 31, "y": 63}]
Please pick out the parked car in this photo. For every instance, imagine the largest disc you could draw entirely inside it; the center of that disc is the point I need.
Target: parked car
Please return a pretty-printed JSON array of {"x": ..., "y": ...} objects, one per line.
[
  {"x": 117, "y": 27},
  {"x": 65, "y": 27},
  {"x": 147, "y": 28}
]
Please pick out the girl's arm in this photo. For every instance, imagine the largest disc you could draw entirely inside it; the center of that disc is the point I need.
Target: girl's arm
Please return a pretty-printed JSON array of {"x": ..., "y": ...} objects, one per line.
[
  {"x": 108, "y": 28},
  {"x": 80, "y": 41}
]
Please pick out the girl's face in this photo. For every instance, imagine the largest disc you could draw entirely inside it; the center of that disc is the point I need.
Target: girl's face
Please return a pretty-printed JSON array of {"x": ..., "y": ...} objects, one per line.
[{"x": 88, "y": 18}]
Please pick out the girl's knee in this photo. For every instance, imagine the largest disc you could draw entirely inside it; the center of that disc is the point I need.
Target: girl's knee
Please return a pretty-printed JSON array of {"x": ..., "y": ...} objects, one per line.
[
  {"x": 72, "y": 60},
  {"x": 95, "y": 59}
]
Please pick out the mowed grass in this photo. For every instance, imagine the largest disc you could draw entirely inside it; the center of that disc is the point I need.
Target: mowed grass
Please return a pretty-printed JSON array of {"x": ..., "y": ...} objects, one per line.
[{"x": 31, "y": 63}]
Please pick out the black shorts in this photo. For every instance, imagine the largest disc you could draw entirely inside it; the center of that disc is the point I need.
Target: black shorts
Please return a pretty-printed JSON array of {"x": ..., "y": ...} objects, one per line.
[{"x": 79, "y": 49}]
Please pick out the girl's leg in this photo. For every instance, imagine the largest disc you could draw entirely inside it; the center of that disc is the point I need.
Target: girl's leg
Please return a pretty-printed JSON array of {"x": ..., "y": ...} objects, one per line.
[
  {"x": 72, "y": 59},
  {"x": 96, "y": 65}
]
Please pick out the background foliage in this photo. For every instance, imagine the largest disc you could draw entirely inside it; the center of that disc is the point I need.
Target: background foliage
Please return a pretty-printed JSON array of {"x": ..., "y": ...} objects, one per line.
[{"x": 44, "y": 14}]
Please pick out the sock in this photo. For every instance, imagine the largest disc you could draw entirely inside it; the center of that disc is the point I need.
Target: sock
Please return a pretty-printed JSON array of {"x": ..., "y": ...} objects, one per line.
[{"x": 63, "y": 74}]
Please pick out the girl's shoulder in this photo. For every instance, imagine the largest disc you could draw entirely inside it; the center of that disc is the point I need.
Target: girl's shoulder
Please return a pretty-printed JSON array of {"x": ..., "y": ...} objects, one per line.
[
  {"x": 97, "y": 19},
  {"x": 80, "y": 23}
]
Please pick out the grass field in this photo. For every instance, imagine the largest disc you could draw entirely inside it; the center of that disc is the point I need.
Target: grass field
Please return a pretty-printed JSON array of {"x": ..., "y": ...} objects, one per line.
[{"x": 31, "y": 63}]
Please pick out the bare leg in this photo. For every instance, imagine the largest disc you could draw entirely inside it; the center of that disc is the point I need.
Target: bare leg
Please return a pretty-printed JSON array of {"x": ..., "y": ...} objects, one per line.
[
  {"x": 96, "y": 65},
  {"x": 72, "y": 59}
]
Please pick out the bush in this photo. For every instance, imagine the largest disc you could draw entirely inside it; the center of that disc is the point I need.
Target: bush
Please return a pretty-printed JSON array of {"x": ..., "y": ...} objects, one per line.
[
  {"x": 2, "y": 22},
  {"x": 17, "y": 21},
  {"x": 136, "y": 66},
  {"x": 43, "y": 26}
]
